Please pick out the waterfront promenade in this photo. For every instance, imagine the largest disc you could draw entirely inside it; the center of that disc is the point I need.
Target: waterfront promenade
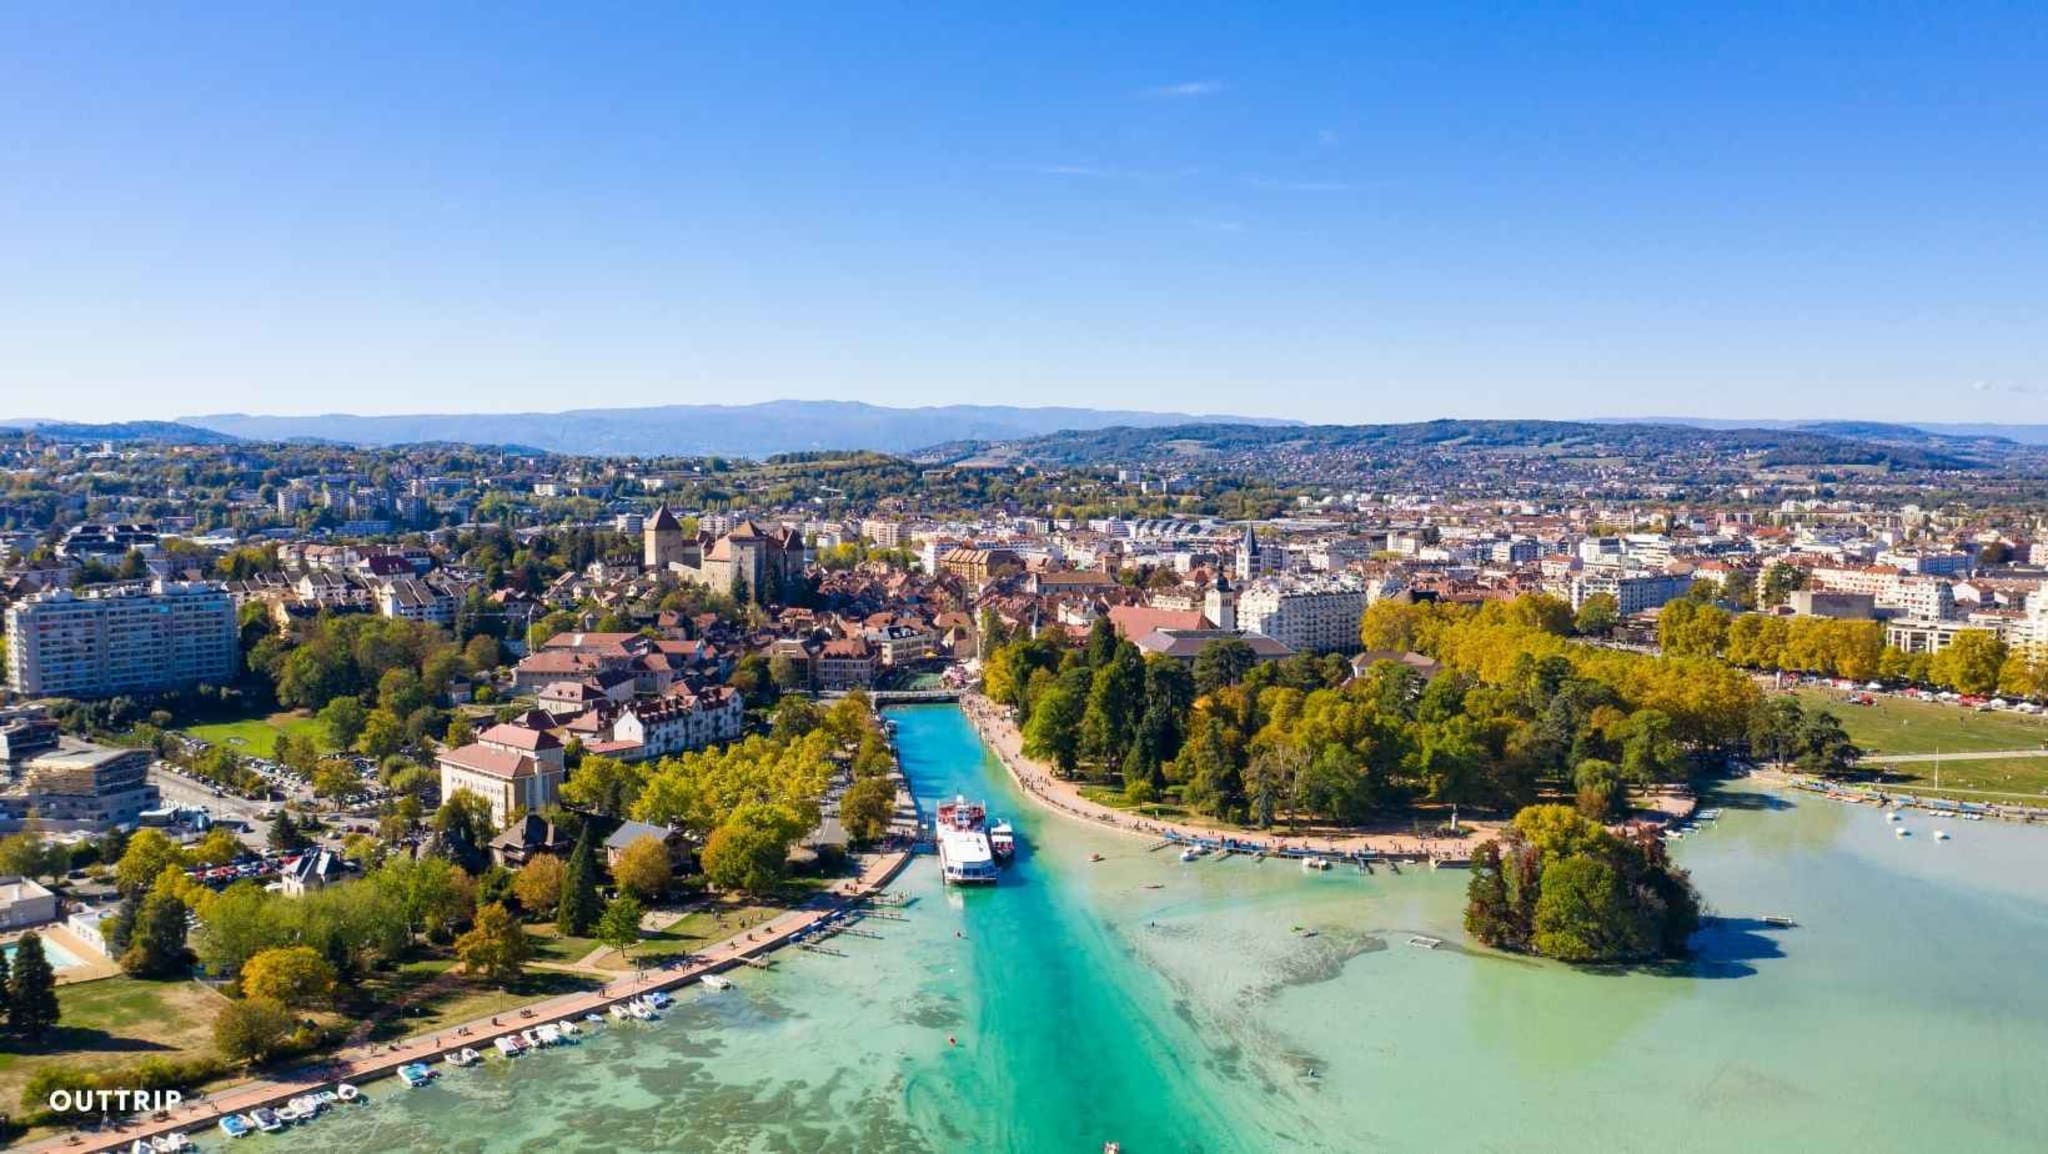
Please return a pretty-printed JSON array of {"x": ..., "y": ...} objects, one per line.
[
  {"x": 1036, "y": 778},
  {"x": 361, "y": 1064}
]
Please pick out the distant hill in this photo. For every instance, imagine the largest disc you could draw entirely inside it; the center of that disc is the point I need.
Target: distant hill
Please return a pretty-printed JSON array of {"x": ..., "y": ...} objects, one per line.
[
  {"x": 162, "y": 432},
  {"x": 1642, "y": 441},
  {"x": 1923, "y": 431},
  {"x": 758, "y": 430}
]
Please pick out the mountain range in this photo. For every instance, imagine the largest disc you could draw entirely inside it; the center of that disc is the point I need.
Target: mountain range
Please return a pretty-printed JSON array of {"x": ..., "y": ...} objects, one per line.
[{"x": 757, "y": 430}]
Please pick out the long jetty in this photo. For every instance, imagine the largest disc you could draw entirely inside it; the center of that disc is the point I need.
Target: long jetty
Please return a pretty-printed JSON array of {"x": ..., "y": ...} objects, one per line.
[{"x": 365, "y": 1064}]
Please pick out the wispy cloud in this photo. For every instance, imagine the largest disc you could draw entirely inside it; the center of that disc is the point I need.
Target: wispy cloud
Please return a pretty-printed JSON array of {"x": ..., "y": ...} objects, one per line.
[
  {"x": 1302, "y": 185},
  {"x": 1183, "y": 91}
]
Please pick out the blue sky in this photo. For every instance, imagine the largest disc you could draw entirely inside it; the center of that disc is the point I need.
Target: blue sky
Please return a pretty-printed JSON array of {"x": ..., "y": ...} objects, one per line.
[{"x": 1352, "y": 212}]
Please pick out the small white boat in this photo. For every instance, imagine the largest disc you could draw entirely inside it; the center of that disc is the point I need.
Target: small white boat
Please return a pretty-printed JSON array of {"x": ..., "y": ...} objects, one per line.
[
  {"x": 464, "y": 1058},
  {"x": 1424, "y": 942},
  {"x": 415, "y": 1074},
  {"x": 1893, "y": 815},
  {"x": 289, "y": 1114},
  {"x": 570, "y": 1030},
  {"x": 594, "y": 1017},
  {"x": 640, "y": 1010},
  {"x": 170, "y": 1143},
  {"x": 141, "y": 1146},
  {"x": 549, "y": 1035},
  {"x": 1191, "y": 853},
  {"x": 1314, "y": 864},
  {"x": 1902, "y": 831},
  {"x": 509, "y": 1046},
  {"x": 236, "y": 1126},
  {"x": 1779, "y": 920},
  {"x": 659, "y": 999},
  {"x": 347, "y": 1093},
  {"x": 716, "y": 981},
  {"x": 1941, "y": 835},
  {"x": 266, "y": 1120},
  {"x": 620, "y": 1014},
  {"x": 328, "y": 1097}
]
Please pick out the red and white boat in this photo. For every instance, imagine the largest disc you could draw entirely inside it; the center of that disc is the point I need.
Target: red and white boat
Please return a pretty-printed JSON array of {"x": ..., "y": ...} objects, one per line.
[{"x": 1002, "y": 840}]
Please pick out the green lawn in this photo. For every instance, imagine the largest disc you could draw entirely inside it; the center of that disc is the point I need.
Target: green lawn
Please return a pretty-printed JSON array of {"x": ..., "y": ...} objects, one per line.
[
  {"x": 115, "y": 1022},
  {"x": 464, "y": 1000},
  {"x": 258, "y": 735},
  {"x": 2008, "y": 777},
  {"x": 1900, "y": 725},
  {"x": 695, "y": 930},
  {"x": 550, "y": 945}
]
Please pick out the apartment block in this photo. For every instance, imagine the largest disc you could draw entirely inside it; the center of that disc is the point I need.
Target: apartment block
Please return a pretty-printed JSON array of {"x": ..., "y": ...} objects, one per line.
[{"x": 122, "y": 639}]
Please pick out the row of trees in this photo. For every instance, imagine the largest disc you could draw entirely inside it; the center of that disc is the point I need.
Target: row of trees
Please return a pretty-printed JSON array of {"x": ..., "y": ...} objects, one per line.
[
  {"x": 1977, "y": 661},
  {"x": 28, "y": 990}
]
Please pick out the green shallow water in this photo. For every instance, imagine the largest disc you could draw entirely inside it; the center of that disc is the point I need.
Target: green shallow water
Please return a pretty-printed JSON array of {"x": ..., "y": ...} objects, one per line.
[{"x": 1907, "y": 1012}]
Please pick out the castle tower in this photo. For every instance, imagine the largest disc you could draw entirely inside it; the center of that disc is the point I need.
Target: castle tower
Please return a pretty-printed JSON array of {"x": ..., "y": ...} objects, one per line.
[{"x": 662, "y": 539}]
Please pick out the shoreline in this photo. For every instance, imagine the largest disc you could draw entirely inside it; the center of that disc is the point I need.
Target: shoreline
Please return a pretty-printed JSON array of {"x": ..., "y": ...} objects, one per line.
[
  {"x": 362, "y": 1064},
  {"x": 991, "y": 723}
]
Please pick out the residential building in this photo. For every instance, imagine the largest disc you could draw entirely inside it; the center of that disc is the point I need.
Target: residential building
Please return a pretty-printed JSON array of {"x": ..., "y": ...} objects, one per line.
[
  {"x": 512, "y": 767},
  {"x": 122, "y": 639},
  {"x": 681, "y": 721},
  {"x": 1633, "y": 592},
  {"x": 25, "y": 902},
  {"x": 1318, "y": 616},
  {"x": 846, "y": 663},
  {"x": 79, "y": 785}
]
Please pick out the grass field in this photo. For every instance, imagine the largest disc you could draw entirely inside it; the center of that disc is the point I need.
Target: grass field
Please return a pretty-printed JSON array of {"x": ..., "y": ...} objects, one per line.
[
  {"x": 1992, "y": 778},
  {"x": 257, "y": 735},
  {"x": 460, "y": 999},
  {"x": 116, "y": 1022},
  {"x": 694, "y": 931},
  {"x": 1900, "y": 725}
]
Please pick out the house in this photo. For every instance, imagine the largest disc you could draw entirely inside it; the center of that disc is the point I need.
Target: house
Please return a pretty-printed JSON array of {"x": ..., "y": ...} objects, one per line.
[
  {"x": 24, "y": 903},
  {"x": 681, "y": 721},
  {"x": 312, "y": 870},
  {"x": 1186, "y": 644},
  {"x": 846, "y": 663},
  {"x": 632, "y": 831},
  {"x": 530, "y": 837}
]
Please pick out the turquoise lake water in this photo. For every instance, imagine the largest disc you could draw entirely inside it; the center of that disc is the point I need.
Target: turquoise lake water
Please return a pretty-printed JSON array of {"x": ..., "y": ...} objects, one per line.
[{"x": 1906, "y": 1012}]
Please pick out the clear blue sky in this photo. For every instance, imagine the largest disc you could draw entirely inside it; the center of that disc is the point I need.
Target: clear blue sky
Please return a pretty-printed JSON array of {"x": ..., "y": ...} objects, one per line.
[{"x": 1352, "y": 212}]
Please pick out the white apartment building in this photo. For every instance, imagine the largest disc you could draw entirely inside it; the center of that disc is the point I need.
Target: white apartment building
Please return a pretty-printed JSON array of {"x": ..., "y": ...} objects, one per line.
[
  {"x": 885, "y": 534},
  {"x": 1632, "y": 592},
  {"x": 122, "y": 639},
  {"x": 1305, "y": 616},
  {"x": 683, "y": 722}
]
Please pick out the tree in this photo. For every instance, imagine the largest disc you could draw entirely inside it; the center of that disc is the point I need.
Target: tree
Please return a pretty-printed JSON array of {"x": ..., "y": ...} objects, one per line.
[
  {"x": 383, "y": 733},
  {"x": 1971, "y": 663},
  {"x": 619, "y": 928},
  {"x": 1823, "y": 745},
  {"x": 6, "y": 980},
  {"x": 643, "y": 868},
  {"x": 1054, "y": 729},
  {"x": 579, "y": 908},
  {"x": 867, "y": 807},
  {"x": 28, "y": 855},
  {"x": 1224, "y": 661},
  {"x": 1602, "y": 793},
  {"x": 750, "y": 851},
  {"x": 292, "y": 976},
  {"x": 496, "y": 946},
  {"x": 1583, "y": 914},
  {"x": 465, "y": 825},
  {"x": 156, "y": 942},
  {"x": 787, "y": 675},
  {"x": 428, "y": 895},
  {"x": 218, "y": 847},
  {"x": 337, "y": 781},
  {"x": 538, "y": 884},
  {"x": 32, "y": 1009},
  {"x": 342, "y": 720},
  {"x": 1116, "y": 697},
  {"x": 251, "y": 1030},
  {"x": 284, "y": 834},
  {"x": 605, "y": 786},
  {"x": 1598, "y": 614},
  {"x": 145, "y": 857}
]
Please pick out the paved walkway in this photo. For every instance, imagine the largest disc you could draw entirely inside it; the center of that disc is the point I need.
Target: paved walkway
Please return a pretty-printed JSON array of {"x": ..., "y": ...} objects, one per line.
[
  {"x": 363, "y": 1063},
  {"x": 1990, "y": 755}
]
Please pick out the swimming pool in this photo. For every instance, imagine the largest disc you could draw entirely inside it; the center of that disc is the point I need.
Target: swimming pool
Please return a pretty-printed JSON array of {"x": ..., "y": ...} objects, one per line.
[{"x": 60, "y": 958}]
